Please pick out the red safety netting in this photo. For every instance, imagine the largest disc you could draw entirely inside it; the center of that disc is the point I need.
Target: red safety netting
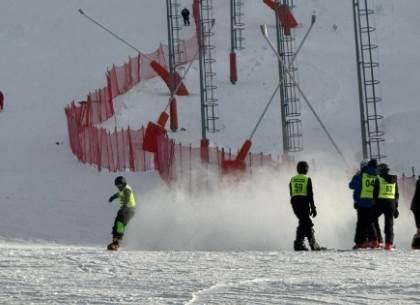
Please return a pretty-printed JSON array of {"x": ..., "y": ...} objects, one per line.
[{"x": 121, "y": 150}]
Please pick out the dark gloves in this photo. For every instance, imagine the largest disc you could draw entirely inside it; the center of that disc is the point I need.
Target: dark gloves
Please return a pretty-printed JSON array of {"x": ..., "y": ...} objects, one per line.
[
  {"x": 396, "y": 213},
  {"x": 112, "y": 198},
  {"x": 313, "y": 212}
]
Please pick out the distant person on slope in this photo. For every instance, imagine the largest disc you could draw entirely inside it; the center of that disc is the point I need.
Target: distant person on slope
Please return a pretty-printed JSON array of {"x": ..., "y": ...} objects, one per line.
[
  {"x": 125, "y": 213},
  {"x": 303, "y": 205},
  {"x": 1, "y": 101},
  {"x": 385, "y": 196},
  {"x": 362, "y": 184},
  {"x": 186, "y": 16},
  {"x": 415, "y": 207}
]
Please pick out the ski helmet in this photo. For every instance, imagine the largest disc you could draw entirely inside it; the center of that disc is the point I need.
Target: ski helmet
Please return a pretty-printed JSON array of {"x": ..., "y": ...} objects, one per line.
[
  {"x": 383, "y": 168},
  {"x": 302, "y": 167},
  {"x": 373, "y": 163},
  {"x": 120, "y": 180}
]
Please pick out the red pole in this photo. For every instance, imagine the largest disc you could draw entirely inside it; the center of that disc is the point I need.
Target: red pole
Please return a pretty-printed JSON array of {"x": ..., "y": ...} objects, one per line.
[
  {"x": 233, "y": 68},
  {"x": 173, "y": 113},
  {"x": 204, "y": 150}
]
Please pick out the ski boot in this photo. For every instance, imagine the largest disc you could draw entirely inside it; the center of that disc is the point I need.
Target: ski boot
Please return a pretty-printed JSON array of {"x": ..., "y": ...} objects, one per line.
[
  {"x": 389, "y": 246},
  {"x": 315, "y": 246},
  {"x": 313, "y": 243},
  {"x": 115, "y": 245},
  {"x": 374, "y": 244},
  {"x": 299, "y": 246}
]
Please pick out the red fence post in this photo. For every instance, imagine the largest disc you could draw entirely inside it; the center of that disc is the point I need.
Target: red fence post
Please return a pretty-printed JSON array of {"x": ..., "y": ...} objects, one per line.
[
  {"x": 131, "y": 150},
  {"x": 173, "y": 113},
  {"x": 109, "y": 91},
  {"x": 233, "y": 68},
  {"x": 204, "y": 150}
]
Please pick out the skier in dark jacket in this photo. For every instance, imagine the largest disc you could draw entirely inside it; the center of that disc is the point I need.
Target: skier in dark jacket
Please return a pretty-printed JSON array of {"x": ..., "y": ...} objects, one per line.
[
  {"x": 125, "y": 213},
  {"x": 385, "y": 196},
  {"x": 415, "y": 207},
  {"x": 186, "y": 16},
  {"x": 303, "y": 205},
  {"x": 362, "y": 185}
]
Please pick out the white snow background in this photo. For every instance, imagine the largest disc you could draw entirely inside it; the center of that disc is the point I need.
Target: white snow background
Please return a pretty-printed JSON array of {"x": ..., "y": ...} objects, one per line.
[{"x": 232, "y": 246}]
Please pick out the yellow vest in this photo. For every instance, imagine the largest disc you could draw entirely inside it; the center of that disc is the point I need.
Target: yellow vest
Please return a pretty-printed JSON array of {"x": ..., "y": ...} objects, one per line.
[
  {"x": 368, "y": 183},
  {"x": 299, "y": 185},
  {"x": 386, "y": 189},
  {"x": 130, "y": 201}
]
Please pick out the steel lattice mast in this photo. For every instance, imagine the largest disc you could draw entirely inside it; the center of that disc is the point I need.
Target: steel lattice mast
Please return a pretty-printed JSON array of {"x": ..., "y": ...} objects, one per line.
[
  {"x": 289, "y": 99},
  {"x": 367, "y": 73}
]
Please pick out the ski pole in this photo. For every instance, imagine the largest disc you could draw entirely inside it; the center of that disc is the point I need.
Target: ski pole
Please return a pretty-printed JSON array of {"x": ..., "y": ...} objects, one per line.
[
  {"x": 264, "y": 32},
  {"x": 313, "y": 19}
]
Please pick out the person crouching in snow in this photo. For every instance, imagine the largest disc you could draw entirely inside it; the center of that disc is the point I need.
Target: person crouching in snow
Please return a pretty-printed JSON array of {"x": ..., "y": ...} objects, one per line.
[
  {"x": 385, "y": 197},
  {"x": 303, "y": 205},
  {"x": 415, "y": 208},
  {"x": 125, "y": 213}
]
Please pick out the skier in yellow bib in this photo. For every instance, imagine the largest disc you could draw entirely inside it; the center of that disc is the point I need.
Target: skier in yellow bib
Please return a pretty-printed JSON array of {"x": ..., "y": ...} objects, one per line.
[
  {"x": 303, "y": 205},
  {"x": 363, "y": 183},
  {"x": 385, "y": 196},
  {"x": 125, "y": 213}
]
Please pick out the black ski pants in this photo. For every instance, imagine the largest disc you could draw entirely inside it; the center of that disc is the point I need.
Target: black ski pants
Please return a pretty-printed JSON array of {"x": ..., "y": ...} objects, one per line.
[
  {"x": 386, "y": 208},
  {"x": 186, "y": 19},
  {"x": 378, "y": 230},
  {"x": 301, "y": 210},
  {"x": 124, "y": 215},
  {"x": 417, "y": 218},
  {"x": 365, "y": 226}
]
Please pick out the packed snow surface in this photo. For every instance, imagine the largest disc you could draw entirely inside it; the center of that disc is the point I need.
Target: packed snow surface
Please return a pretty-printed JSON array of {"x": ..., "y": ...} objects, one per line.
[{"x": 56, "y": 274}]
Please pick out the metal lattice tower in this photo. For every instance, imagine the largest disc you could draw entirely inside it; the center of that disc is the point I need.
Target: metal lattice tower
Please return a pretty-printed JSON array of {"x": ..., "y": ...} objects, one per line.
[
  {"x": 289, "y": 99},
  {"x": 176, "y": 52},
  {"x": 368, "y": 71},
  {"x": 237, "y": 24},
  {"x": 207, "y": 77}
]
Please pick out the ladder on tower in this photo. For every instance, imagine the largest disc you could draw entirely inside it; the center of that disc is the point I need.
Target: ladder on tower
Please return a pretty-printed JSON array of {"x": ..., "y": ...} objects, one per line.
[
  {"x": 176, "y": 27},
  {"x": 238, "y": 24},
  {"x": 368, "y": 78},
  {"x": 293, "y": 137},
  {"x": 209, "y": 74}
]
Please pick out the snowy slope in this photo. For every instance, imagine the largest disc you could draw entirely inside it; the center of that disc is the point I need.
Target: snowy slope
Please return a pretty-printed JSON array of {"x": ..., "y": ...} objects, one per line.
[
  {"x": 51, "y": 55},
  {"x": 74, "y": 275}
]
